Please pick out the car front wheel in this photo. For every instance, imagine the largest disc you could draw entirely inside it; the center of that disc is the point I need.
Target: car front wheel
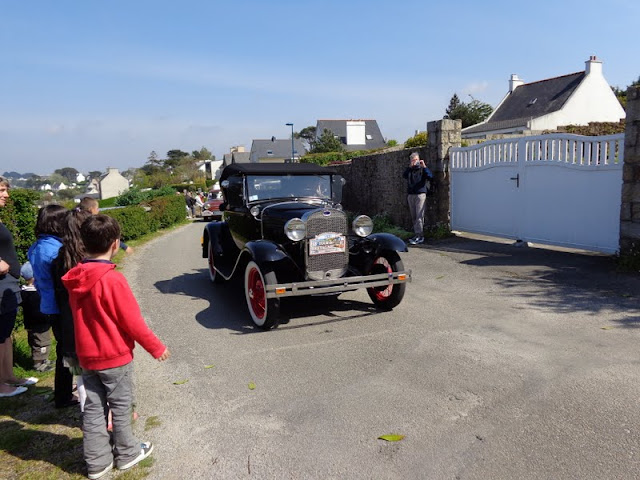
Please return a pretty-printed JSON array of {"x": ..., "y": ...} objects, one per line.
[
  {"x": 387, "y": 297},
  {"x": 264, "y": 311},
  {"x": 213, "y": 274}
]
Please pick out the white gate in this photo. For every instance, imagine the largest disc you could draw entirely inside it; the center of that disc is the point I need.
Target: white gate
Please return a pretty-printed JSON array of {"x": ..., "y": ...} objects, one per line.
[{"x": 557, "y": 189}]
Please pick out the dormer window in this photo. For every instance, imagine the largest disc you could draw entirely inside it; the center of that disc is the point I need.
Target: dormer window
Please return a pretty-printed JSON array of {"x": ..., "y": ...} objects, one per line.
[
  {"x": 369, "y": 137},
  {"x": 269, "y": 152}
]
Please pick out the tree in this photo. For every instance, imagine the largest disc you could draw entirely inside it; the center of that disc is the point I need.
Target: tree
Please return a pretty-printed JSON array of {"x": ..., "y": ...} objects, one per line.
[
  {"x": 470, "y": 113},
  {"x": 68, "y": 173},
  {"x": 420, "y": 139},
  {"x": 308, "y": 136},
  {"x": 327, "y": 142},
  {"x": 153, "y": 159},
  {"x": 622, "y": 93},
  {"x": 174, "y": 157},
  {"x": 202, "y": 154},
  {"x": 95, "y": 174}
]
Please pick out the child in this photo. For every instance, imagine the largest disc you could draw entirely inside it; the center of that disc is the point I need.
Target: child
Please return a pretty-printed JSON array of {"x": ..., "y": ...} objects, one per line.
[
  {"x": 49, "y": 228},
  {"x": 92, "y": 206},
  {"x": 35, "y": 322},
  {"x": 107, "y": 322}
]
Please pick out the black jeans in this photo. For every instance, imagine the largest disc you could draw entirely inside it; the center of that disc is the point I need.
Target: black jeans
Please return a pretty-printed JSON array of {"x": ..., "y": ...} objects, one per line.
[{"x": 63, "y": 385}]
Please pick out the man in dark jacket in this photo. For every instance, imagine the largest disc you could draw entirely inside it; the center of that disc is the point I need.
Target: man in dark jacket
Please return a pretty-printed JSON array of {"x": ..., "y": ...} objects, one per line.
[{"x": 417, "y": 174}]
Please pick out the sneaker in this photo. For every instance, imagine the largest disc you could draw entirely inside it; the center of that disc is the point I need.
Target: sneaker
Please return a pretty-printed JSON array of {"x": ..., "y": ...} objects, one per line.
[
  {"x": 44, "y": 366},
  {"x": 145, "y": 450},
  {"x": 13, "y": 393},
  {"x": 419, "y": 241},
  {"x": 101, "y": 473},
  {"x": 413, "y": 240}
]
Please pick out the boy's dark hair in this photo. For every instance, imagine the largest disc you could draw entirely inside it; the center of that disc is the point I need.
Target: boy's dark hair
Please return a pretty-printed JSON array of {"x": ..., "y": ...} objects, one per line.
[
  {"x": 50, "y": 220},
  {"x": 88, "y": 203},
  {"x": 98, "y": 233}
]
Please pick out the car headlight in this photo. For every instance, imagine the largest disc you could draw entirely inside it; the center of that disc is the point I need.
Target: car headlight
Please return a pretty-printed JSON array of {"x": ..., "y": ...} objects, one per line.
[
  {"x": 255, "y": 211},
  {"x": 362, "y": 226},
  {"x": 295, "y": 229}
]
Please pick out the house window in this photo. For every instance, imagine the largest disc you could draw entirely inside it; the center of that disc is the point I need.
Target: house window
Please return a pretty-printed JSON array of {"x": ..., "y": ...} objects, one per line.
[
  {"x": 369, "y": 137},
  {"x": 269, "y": 152}
]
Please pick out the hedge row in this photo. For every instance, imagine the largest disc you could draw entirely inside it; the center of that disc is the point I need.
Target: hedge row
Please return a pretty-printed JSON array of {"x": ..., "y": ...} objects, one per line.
[
  {"x": 135, "y": 221},
  {"x": 19, "y": 216}
]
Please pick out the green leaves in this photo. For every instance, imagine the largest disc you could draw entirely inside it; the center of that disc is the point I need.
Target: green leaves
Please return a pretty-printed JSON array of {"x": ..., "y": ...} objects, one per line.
[
  {"x": 391, "y": 437},
  {"x": 209, "y": 366}
]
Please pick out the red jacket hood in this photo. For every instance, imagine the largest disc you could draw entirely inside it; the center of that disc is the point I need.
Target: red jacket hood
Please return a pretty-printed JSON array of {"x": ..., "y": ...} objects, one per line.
[{"x": 83, "y": 277}]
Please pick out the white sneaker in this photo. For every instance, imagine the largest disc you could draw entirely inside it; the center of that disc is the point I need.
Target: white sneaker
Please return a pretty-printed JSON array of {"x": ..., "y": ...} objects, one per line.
[
  {"x": 413, "y": 240},
  {"x": 101, "y": 473},
  {"x": 145, "y": 450}
]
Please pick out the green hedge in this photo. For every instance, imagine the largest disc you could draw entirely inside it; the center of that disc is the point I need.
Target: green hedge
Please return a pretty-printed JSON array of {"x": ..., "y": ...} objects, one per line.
[
  {"x": 324, "y": 159},
  {"x": 19, "y": 215},
  {"x": 135, "y": 221}
]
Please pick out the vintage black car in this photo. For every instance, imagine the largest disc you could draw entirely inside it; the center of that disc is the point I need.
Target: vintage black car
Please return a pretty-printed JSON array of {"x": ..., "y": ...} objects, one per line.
[{"x": 284, "y": 229}]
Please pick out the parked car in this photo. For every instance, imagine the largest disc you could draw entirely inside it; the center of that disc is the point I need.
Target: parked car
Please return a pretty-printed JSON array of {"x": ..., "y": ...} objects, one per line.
[
  {"x": 211, "y": 209},
  {"x": 284, "y": 231}
]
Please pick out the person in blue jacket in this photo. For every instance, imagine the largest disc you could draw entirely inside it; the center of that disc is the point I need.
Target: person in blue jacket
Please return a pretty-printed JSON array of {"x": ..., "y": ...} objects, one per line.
[
  {"x": 49, "y": 228},
  {"x": 417, "y": 174}
]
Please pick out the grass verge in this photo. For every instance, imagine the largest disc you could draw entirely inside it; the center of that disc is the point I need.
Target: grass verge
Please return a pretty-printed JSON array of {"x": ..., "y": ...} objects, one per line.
[{"x": 40, "y": 442}]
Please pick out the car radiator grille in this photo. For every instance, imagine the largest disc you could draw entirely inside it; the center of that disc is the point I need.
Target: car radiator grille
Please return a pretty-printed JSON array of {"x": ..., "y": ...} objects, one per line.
[{"x": 328, "y": 265}]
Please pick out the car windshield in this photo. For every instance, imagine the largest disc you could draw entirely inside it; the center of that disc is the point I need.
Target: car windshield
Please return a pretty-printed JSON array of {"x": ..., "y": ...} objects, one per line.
[{"x": 264, "y": 187}]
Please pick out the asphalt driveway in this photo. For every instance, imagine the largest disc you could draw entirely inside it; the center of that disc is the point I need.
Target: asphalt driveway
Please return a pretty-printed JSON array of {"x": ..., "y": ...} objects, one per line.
[{"x": 501, "y": 362}]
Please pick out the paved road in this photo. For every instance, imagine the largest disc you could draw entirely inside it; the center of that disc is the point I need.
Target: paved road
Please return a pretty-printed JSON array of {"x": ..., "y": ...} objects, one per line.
[{"x": 501, "y": 362}]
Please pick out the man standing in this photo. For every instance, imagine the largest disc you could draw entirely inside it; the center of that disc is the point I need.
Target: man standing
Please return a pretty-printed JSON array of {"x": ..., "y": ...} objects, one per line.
[{"x": 417, "y": 175}]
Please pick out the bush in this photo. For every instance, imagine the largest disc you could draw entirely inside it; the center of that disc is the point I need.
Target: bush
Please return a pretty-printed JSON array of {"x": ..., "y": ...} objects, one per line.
[
  {"x": 324, "y": 159},
  {"x": 133, "y": 221},
  {"x": 107, "y": 202},
  {"x": 167, "y": 210},
  {"x": 135, "y": 196},
  {"x": 19, "y": 216},
  {"x": 418, "y": 140}
]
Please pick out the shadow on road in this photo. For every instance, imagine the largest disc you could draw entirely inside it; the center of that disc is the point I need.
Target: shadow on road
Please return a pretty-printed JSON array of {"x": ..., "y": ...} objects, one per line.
[
  {"x": 228, "y": 309},
  {"x": 562, "y": 281}
]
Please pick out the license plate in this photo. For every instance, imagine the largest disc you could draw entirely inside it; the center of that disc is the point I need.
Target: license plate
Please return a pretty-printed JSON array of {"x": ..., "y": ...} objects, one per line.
[{"x": 327, "y": 243}]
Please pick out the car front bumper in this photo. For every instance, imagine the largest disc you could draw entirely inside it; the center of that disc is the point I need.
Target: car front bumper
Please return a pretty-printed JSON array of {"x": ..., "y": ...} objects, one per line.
[{"x": 344, "y": 284}]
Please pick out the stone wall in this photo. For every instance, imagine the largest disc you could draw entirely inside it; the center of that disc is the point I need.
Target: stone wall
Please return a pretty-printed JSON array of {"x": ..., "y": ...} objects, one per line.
[
  {"x": 630, "y": 208},
  {"x": 375, "y": 185}
]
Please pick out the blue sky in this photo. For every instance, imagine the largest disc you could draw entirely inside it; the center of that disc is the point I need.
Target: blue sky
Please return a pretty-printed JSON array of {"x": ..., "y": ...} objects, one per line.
[{"x": 89, "y": 84}]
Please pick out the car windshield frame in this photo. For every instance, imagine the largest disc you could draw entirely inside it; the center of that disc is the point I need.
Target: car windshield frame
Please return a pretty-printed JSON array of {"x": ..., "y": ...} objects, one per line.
[{"x": 261, "y": 188}]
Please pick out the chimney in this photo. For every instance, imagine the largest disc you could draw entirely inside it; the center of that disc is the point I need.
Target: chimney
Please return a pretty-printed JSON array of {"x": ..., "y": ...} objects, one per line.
[
  {"x": 514, "y": 82},
  {"x": 593, "y": 65}
]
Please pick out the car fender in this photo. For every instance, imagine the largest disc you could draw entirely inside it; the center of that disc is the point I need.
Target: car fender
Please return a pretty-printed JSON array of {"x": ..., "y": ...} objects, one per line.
[
  {"x": 264, "y": 251},
  {"x": 213, "y": 232},
  {"x": 387, "y": 241}
]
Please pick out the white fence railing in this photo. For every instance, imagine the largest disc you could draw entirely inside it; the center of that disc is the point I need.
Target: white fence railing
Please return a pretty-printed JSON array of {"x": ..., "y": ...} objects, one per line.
[{"x": 569, "y": 149}]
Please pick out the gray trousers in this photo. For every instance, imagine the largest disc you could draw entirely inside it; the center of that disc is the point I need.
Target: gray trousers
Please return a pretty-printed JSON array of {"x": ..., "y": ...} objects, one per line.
[
  {"x": 115, "y": 387},
  {"x": 39, "y": 339},
  {"x": 417, "y": 205}
]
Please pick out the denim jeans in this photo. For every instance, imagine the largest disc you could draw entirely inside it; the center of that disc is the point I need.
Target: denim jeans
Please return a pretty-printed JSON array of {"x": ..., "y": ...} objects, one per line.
[
  {"x": 417, "y": 203},
  {"x": 113, "y": 386}
]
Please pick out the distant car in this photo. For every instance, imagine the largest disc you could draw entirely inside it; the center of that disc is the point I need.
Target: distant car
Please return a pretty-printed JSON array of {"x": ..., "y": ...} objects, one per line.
[
  {"x": 285, "y": 233},
  {"x": 211, "y": 208}
]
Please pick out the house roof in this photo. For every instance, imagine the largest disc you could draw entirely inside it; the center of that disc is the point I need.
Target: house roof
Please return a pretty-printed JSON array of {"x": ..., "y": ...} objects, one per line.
[
  {"x": 530, "y": 100},
  {"x": 279, "y": 148},
  {"x": 242, "y": 157},
  {"x": 339, "y": 128}
]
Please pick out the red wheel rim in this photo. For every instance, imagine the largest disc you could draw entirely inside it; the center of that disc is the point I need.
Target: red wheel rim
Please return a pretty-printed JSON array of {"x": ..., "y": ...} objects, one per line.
[
  {"x": 257, "y": 296},
  {"x": 380, "y": 265}
]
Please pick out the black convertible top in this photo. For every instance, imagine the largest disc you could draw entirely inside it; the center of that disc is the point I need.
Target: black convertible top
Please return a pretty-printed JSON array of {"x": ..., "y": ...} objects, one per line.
[{"x": 276, "y": 169}]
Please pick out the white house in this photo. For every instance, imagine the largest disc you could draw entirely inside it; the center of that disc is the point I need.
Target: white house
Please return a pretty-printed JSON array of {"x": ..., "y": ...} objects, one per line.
[
  {"x": 80, "y": 178},
  {"x": 530, "y": 108},
  {"x": 113, "y": 184}
]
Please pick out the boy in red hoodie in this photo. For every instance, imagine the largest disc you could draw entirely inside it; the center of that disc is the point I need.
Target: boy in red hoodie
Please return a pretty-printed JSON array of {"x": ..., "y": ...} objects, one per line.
[{"x": 107, "y": 322}]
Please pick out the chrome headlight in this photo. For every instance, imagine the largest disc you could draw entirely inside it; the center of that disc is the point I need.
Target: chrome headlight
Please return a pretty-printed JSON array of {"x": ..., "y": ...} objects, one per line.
[
  {"x": 255, "y": 211},
  {"x": 362, "y": 226},
  {"x": 295, "y": 229}
]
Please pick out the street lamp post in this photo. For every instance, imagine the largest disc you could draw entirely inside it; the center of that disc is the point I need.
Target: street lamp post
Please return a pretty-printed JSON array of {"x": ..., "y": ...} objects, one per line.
[{"x": 292, "y": 148}]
